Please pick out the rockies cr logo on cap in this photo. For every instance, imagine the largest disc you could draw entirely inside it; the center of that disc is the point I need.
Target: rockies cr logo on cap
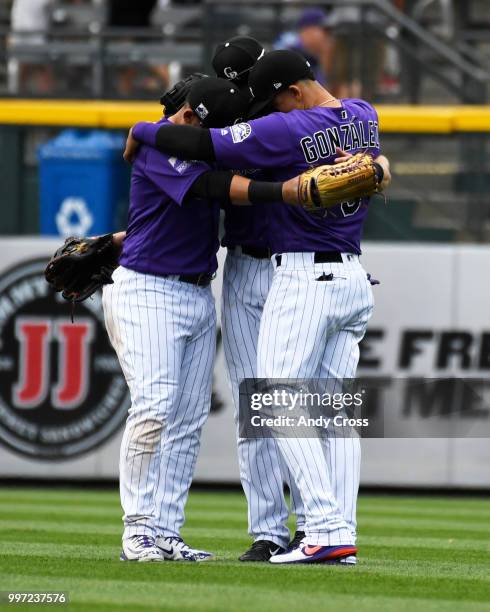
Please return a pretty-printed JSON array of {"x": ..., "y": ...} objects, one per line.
[{"x": 230, "y": 73}]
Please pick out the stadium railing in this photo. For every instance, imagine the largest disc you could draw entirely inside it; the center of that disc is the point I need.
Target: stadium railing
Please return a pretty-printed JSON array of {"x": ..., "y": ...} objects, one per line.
[{"x": 85, "y": 58}]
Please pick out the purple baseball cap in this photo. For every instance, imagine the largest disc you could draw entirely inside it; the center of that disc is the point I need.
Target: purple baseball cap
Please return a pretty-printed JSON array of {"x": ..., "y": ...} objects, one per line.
[{"x": 311, "y": 17}]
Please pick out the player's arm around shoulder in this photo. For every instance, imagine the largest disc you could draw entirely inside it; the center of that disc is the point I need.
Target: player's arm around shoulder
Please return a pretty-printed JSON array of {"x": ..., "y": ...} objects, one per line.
[{"x": 264, "y": 142}]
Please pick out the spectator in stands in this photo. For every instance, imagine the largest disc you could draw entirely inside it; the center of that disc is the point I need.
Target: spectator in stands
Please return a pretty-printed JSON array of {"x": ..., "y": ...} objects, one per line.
[
  {"x": 29, "y": 24},
  {"x": 313, "y": 40},
  {"x": 316, "y": 39},
  {"x": 136, "y": 14},
  {"x": 130, "y": 14},
  {"x": 361, "y": 52},
  {"x": 342, "y": 46}
]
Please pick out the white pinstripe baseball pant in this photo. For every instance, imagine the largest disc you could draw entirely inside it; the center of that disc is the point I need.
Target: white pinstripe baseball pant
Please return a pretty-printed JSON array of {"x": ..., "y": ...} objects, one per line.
[
  {"x": 246, "y": 283},
  {"x": 164, "y": 334},
  {"x": 311, "y": 329}
]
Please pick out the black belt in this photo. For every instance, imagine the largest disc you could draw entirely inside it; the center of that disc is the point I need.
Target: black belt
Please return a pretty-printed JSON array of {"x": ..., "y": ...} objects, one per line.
[
  {"x": 256, "y": 252},
  {"x": 201, "y": 280},
  {"x": 320, "y": 257}
]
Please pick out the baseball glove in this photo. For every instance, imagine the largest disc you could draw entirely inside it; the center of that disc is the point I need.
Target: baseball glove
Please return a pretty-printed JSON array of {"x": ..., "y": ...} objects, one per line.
[
  {"x": 81, "y": 266},
  {"x": 326, "y": 186},
  {"x": 174, "y": 99}
]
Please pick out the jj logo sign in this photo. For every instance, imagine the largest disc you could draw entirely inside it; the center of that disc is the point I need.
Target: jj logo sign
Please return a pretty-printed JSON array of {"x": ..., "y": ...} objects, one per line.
[
  {"x": 61, "y": 389},
  {"x": 35, "y": 338}
]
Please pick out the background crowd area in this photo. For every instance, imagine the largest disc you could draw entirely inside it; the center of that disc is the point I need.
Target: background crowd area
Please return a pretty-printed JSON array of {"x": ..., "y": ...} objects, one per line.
[
  {"x": 425, "y": 64},
  {"x": 126, "y": 49}
]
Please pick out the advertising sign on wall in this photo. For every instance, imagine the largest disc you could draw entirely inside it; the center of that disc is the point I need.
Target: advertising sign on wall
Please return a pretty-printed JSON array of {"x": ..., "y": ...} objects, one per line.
[{"x": 63, "y": 399}]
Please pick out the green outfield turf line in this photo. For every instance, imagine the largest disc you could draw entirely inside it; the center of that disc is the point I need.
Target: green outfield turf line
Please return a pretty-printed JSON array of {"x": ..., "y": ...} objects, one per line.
[{"x": 426, "y": 553}]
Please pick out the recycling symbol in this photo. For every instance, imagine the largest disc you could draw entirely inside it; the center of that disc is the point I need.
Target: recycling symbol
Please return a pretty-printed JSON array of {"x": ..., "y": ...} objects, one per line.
[{"x": 74, "y": 218}]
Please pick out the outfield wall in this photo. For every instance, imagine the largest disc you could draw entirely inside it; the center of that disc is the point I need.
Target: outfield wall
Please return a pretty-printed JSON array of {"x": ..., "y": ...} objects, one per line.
[
  {"x": 397, "y": 118},
  {"x": 61, "y": 407}
]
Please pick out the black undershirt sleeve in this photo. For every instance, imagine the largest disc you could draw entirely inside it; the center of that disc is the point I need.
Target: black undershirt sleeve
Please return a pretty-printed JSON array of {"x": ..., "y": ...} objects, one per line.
[
  {"x": 212, "y": 185},
  {"x": 185, "y": 142}
]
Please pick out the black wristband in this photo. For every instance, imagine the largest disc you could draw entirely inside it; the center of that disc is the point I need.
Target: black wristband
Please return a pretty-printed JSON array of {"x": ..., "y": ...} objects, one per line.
[
  {"x": 261, "y": 192},
  {"x": 379, "y": 172}
]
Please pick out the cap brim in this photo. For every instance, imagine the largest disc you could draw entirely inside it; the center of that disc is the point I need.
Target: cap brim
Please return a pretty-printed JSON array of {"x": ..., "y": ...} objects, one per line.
[{"x": 258, "y": 108}]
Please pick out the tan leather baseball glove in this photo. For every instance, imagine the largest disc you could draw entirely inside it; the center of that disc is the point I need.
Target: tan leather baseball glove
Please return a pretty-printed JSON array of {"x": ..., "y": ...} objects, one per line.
[{"x": 326, "y": 186}]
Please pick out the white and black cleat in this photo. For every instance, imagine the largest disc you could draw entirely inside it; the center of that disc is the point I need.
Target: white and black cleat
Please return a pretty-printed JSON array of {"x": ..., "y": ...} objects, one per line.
[
  {"x": 173, "y": 548},
  {"x": 140, "y": 548},
  {"x": 298, "y": 537},
  {"x": 261, "y": 551}
]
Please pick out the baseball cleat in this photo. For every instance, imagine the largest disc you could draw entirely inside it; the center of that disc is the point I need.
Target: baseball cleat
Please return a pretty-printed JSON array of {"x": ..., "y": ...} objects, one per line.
[
  {"x": 297, "y": 539},
  {"x": 140, "y": 548},
  {"x": 173, "y": 548},
  {"x": 350, "y": 560},
  {"x": 309, "y": 553},
  {"x": 261, "y": 550},
  {"x": 299, "y": 536}
]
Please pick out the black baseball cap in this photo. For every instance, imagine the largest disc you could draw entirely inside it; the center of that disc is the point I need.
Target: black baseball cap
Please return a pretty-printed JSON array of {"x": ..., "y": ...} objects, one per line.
[
  {"x": 234, "y": 59},
  {"x": 217, "y": 102},
  {"x": 273, "y": 73},
  {"x": 175, "y": 98}
]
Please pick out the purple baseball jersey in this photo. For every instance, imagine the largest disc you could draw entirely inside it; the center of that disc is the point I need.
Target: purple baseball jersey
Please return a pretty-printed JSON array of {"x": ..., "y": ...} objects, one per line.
[
  {"x": 286, "y": 144},
  {"x": 246, "y": 225},
  {"x": 167, "y": 233}
]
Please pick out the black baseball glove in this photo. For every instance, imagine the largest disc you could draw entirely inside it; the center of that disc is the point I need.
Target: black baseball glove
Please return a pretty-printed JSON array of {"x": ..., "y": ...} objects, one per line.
[
  {"x": 81, "y": 266},
  {"x": 175, "y": 98}
]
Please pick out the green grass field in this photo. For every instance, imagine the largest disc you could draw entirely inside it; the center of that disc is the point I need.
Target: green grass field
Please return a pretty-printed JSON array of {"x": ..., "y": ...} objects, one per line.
[{"x": 427, "y": 554}]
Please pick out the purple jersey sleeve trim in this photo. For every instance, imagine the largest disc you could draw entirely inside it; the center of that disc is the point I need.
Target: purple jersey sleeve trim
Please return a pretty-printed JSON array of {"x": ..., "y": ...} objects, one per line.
[{"x": 146, "y": 133}]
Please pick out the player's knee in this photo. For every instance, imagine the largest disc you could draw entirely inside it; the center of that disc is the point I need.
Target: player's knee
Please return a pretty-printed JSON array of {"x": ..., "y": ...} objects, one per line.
[{"x": 145, "y": 435}]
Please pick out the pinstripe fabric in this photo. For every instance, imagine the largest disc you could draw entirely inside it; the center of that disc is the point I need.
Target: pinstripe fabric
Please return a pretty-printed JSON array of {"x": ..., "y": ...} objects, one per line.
[
  {"x": 164, "y": 334},
  {"x": 246, "y": 283},
  {"x": 312, "y": 329},
  {"x": 343, "y": 454}
]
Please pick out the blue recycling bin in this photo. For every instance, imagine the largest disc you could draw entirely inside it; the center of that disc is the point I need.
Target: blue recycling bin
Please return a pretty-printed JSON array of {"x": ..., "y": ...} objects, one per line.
[{"x": 84, "y": 183}]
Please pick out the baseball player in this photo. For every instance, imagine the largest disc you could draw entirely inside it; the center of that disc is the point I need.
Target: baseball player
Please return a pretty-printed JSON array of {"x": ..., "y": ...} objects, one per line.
[
  {"x": 160, "y": 317},
  {"x": 247, "y": 277},
  {"x": 320, "y": 300}
]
